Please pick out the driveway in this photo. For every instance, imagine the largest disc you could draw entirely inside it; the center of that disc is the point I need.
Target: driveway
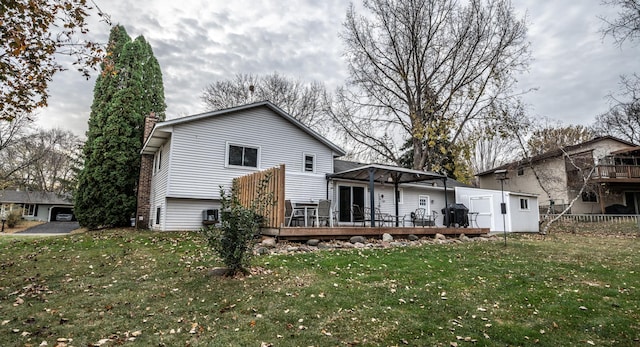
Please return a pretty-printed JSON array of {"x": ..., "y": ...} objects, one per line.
[{"x": 51, "y": 228}]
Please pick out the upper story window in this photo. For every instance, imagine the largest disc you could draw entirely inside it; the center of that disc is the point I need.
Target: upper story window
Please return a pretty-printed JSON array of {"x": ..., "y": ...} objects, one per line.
[
  {"x": 238, "y": 155},
  {"x": 589, "y": 197},
  {"x": 524, "y": 204},
  {"x": 157, "y": 165},
  {"x": 520, "y": 170},
  {"x": 309, "y": 164}
]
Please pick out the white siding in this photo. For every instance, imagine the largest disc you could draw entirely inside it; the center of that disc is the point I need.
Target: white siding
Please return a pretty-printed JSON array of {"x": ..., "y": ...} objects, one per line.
[
  {"x": 523, "y": 220},
  {"x": 159, "y": 182},
  {"x": 186, "y": 214},
  {"x": 487, "y": 203},
  {"x": 384, "y": 198},
  {"x": 198, "y": 164},
  {"x": 436, "y": 196},
  {"x": 305, "y": 186}
]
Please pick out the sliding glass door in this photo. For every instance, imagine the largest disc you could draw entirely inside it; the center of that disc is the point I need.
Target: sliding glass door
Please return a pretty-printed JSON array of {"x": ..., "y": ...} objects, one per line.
[{"x": 347, "y": 197}]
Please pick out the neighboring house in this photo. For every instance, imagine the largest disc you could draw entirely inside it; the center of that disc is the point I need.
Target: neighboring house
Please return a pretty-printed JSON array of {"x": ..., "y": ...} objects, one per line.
[
  {"x": 615, "y": 180},
  {"x": 39, "y": 206},
  {"x": 191, "y": 157}
]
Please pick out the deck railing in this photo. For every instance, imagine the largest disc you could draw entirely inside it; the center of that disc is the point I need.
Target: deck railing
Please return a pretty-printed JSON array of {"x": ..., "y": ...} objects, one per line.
[
  {"x": 616, "y": 171},
  {"x": 592, "y": 218}
]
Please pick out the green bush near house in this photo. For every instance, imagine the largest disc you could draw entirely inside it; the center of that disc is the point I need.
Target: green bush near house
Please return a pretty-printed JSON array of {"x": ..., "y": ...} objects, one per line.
[
  {"x": 13, "y": 218},
  {"x": 234, "y": 239}
]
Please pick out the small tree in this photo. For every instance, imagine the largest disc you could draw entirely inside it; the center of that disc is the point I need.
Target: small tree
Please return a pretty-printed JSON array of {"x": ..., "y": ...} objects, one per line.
[{"x": 234, "y": 239}]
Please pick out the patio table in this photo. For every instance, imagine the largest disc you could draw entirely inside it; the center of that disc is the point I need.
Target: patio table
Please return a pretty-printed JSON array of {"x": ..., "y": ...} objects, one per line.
[{"x": 310, "y": 210}]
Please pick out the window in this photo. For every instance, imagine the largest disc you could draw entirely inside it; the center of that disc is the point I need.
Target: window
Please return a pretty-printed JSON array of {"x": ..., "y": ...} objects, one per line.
[
  {"x": 589, "y": 197},
  {"x": 309, "y": 164},
  {"x": 524, "y": 204},
  {"x": 158, "y": 161},
  {"x": 28, "y": 210},
  {"x": 400, "y": 197},
  {"x": 242, "y": 156},
  {"x": 520, "y": 171},
  {"x": 158, "y": 210}
]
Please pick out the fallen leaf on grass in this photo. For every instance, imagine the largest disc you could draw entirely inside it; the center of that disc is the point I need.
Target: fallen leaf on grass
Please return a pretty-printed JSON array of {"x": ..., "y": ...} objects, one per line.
[
  {"x": 19, "y": 301},
  {"x": 101, "y": 342}
]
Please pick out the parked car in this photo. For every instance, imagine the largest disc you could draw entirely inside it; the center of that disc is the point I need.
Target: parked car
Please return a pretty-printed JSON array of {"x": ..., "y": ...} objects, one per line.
[{"x": 64, "y": 217}]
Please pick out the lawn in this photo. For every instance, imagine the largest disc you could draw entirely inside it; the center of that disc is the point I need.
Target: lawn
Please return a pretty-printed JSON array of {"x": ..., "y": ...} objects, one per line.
[{"x": 122, "y": 287}]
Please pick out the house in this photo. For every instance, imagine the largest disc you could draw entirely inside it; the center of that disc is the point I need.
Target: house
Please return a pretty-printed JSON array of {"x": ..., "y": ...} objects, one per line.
[
  {"x": 613, "y": 186},
  {"x": 35, "y": 205},
  {"x": 186, "y": 161}
]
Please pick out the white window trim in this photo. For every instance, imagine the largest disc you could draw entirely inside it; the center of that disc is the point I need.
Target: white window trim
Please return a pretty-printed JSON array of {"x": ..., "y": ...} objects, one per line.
[
  {"x": 25, "y": 209},
  {"x": 528, "y": 204},
  {"x": 157, "y": 216},
  {"x": 400, "y": 200},
  {"x": 427, "y": 198},
  {"x": 157, "y": 160},
  {"x": 304, "y": 162},
  {"x": 226, "y": 156}
]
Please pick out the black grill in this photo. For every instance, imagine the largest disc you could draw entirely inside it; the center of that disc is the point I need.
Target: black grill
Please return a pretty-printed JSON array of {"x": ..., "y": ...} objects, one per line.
[{"x": 456, "y": 215}]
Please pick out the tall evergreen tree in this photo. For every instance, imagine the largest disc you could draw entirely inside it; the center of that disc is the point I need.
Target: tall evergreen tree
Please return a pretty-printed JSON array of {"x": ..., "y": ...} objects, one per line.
[{"x": 129, "y": 88}]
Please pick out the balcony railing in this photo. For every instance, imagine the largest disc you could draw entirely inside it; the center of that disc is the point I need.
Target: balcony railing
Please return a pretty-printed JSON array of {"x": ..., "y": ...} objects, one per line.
[{"x": 616, "y": 172}]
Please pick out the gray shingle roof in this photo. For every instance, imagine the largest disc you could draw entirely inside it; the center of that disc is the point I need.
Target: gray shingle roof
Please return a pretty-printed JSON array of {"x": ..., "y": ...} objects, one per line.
[{"x": 31, "y": 197}]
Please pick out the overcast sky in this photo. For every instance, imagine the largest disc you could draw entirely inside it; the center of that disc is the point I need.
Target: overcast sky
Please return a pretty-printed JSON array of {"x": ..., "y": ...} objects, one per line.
[{"x": 199, "y": 42}]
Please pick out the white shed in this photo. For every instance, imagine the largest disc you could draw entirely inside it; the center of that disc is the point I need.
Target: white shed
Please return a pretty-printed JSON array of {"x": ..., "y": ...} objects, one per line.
[{"x": 522, "y": 213}]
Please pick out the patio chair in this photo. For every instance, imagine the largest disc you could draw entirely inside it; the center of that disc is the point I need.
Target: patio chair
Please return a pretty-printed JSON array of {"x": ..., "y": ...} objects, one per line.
[
  {"x": 421, "y": 218},
  {"x": 358, "y": 214},
  {"x": 290, "y": 214},
  {"x": 380, "y": 218},
  {"x": 324, "y": 213}
]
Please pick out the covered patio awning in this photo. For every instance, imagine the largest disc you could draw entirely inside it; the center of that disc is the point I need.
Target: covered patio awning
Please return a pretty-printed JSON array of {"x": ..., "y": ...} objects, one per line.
[{"x": 387, "y": 174}]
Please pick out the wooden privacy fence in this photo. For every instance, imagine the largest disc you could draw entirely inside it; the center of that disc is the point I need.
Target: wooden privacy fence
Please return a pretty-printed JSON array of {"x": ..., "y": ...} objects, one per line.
[{"x": 249, "y": 191}]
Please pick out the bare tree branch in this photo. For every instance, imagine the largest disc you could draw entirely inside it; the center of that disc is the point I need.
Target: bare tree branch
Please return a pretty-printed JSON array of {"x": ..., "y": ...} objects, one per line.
[{"x": 420, "y": 66}]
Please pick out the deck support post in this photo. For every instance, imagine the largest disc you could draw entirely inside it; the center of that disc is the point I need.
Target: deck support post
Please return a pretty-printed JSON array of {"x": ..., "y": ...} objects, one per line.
[
  {"x": 397, "y": 195},
  {"x": 372, "y": 196}
]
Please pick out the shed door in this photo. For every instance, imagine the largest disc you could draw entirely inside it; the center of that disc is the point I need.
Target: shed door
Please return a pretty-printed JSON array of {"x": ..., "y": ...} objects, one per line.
[{"x": 484, "y": 206}]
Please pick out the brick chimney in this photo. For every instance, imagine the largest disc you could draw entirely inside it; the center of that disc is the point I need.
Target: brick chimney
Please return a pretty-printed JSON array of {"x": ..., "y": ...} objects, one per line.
[{"x": 143, "y": 211}]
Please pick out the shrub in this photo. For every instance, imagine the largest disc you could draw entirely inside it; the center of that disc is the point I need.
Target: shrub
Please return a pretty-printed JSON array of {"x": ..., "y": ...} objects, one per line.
[
  {"x": 13, "y": 218},
  {"x": 234, "y": 239}
]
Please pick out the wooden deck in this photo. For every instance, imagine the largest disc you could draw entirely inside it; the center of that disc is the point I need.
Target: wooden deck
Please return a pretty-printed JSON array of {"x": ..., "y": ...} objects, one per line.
[{"x": 302, "y": 233}]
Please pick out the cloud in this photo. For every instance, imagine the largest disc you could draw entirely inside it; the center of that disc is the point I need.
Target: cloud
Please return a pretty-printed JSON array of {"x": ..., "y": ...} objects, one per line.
[{"x": 200, "y": 42}]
